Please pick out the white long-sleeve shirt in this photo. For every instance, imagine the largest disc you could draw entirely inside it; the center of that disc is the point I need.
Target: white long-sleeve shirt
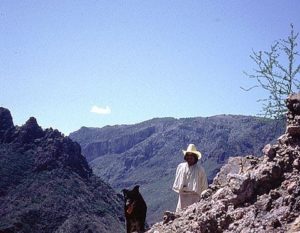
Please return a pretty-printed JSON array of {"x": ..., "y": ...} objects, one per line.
[{"x": 190, "y": 182}]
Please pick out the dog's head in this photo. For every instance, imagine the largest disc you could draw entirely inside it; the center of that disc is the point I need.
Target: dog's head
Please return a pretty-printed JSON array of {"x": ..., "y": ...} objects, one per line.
[{"x": 130, "y": 197}]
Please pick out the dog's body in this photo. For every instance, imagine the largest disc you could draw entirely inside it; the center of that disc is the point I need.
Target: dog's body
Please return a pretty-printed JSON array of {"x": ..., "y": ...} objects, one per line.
[{"x": 135, "y": 210}]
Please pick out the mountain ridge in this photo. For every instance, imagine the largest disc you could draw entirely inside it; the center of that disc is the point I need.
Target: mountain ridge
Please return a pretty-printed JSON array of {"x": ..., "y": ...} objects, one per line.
[
  {"x": 147, "y": 153},
  {"x": 47, "y": 185}
]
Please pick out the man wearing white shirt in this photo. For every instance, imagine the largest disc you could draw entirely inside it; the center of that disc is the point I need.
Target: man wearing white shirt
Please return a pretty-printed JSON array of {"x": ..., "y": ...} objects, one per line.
[{"x": 190, "y": 180}]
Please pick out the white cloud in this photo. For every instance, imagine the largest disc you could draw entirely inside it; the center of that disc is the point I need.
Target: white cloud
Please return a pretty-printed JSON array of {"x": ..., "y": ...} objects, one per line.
[{"x": 101, "y": 111}]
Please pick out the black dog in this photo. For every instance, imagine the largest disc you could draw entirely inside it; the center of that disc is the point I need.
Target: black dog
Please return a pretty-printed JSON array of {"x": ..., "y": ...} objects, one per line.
[{"x": 135, "y": 209}]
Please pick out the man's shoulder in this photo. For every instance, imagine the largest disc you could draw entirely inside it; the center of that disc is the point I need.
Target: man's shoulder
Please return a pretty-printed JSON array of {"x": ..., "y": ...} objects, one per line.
[
  {"x": 181, "y": 165},
  {"x": 199, "y": 165},
  {"x": 200, "y": 168}
]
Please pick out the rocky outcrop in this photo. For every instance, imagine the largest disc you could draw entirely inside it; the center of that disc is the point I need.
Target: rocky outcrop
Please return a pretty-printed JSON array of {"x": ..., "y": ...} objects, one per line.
[
  {"x": 55, "y": 151},
  {"x": 46, "y": 185},
  {"x": 29, "y": 132},
  {"x": 6, "y": 121},
  {"x": 250, "y": 194},
  {"x": 6, "y": 125},
  {"x": 116, "y": 145}
]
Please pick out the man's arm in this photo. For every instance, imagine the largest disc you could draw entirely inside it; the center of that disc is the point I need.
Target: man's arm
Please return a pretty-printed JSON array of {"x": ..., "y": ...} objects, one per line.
[
  {"x": 203, "y": 180},
  {"x": 178, "y": 183}
]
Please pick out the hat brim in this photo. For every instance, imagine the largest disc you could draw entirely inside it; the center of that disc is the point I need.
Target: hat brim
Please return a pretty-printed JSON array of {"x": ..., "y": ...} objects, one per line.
[{"x": 197, "y": 153}]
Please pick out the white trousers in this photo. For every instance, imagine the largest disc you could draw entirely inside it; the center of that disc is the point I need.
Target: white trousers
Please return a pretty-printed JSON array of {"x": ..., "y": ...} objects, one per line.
[{"x": 186, "y": 199}]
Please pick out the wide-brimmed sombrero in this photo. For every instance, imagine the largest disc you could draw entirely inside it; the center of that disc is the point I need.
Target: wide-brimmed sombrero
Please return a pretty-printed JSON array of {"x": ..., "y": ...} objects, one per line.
[{"x": 192, "y": 149}]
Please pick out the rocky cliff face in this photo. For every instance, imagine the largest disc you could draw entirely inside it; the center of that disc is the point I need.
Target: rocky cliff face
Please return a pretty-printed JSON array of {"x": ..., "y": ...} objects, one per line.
[
  {"x": 46, "y": 185},
  {"x": 149, "y": 152},
  {"x": 250, "y": 194}
]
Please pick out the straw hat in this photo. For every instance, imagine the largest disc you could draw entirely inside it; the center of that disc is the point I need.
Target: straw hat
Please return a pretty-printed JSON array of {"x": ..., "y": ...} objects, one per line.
[{"x": 192, "y": 149}]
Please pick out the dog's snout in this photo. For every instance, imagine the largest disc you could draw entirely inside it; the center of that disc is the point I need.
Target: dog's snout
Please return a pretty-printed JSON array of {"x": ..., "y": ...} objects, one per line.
[{"x": 128, "y": 202}]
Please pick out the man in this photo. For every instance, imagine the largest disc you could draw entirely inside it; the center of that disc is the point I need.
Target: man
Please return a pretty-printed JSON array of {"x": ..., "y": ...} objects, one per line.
[{"x": 190, "y": 178}]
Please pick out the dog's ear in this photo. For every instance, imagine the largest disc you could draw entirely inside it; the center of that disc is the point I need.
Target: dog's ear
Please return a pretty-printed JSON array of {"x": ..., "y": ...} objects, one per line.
[{"x": 136, "y": 188}]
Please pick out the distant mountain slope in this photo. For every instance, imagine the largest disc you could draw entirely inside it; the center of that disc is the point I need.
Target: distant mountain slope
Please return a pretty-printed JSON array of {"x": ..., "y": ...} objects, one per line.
[
  {"x": 46, "y": 184},
  {"x": 148, "y": 153}
]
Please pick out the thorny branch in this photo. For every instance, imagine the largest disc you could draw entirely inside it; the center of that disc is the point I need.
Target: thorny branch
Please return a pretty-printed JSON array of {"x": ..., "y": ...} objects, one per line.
[{"x": 276, "y": 73}]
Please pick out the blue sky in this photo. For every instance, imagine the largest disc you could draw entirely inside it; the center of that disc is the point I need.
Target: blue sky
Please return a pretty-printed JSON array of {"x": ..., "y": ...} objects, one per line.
[{"x": 96, "y": 63}]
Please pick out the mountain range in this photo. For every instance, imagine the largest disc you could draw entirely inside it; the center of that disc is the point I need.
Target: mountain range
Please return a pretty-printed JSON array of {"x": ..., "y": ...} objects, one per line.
[
  {"x": 49, "y": 183},
  {"x": 148, "y": 153}
]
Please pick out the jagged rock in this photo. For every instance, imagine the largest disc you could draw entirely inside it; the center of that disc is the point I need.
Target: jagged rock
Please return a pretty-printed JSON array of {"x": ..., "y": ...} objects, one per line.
[
  {"x": 296, "y": 163},
  {"x": 56, "y": 151},
  {"x": 6, "y": 125},
  {"x": 269, "y": 151},
  {"x": 293, "y": 104},
  {"x": 169, "y": 216},
  {"x": 283, "y": 140},
  {"x": 6, "y": 121},
  {"x": 267, "y": 176},
  {"x": 293, "y": 130},
  {"x": 295, "y": 226},
  {"x": 30, "y": 131},
  {"x": 242, "y": 186},
  {"x": 47, "y": 186}
]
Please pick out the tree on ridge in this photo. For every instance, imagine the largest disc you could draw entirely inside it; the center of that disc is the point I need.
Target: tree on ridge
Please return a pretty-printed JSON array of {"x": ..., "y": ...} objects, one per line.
[{"x": 277, "y": 72}]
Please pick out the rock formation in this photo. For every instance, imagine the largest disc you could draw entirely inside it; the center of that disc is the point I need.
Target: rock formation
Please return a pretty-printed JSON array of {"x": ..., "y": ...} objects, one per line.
[
  {"x": 250, "y": 194},
  {"x": 46, "y": 185}
]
